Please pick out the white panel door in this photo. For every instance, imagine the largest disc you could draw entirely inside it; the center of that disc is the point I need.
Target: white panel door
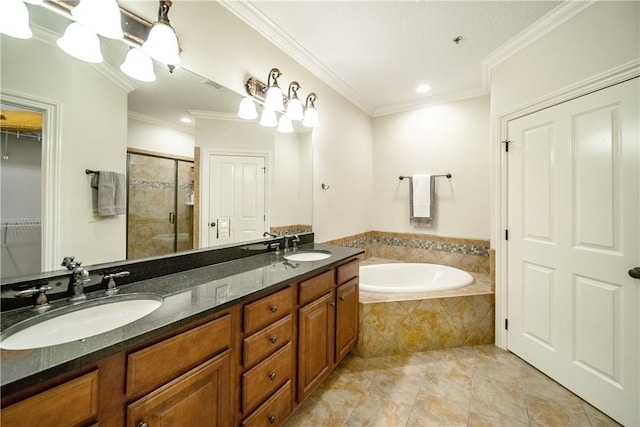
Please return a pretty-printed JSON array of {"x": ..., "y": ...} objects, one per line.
[
  {"x": 236, "y": 206},
  {"x": 574, "y": 234}
]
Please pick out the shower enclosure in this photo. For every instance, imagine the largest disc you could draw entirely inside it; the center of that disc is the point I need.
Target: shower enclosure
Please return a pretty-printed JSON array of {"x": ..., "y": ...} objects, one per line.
[{"x": 159, "y": 205}]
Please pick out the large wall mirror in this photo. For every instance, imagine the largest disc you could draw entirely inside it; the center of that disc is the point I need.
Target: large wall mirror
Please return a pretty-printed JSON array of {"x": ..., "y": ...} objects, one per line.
[{"x": 214, "y": 181}]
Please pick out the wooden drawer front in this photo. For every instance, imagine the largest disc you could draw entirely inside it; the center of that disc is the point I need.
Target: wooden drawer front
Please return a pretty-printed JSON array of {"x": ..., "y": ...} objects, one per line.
[
  {"x": 260, "y": 313},
  {"x": 72, "y": 403},
  {"x": 274, "y": 411},
  {"x": 200, "y": 397},
  {"x": 162, "y": 362},
  {"x": 315, "y": 287},
  {"x": 266, "y": 341},
  {"x": 259, "y": 382},
  {"x": 348, "y": 271}
]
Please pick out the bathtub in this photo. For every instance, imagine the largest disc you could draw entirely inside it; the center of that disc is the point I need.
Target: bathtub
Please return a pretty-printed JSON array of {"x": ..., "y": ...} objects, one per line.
[{"x": 411, "y": 278}]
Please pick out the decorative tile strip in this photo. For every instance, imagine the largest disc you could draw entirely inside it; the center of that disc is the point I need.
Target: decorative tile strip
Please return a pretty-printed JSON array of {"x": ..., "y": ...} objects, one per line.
[{"x": 290, "y": 229}]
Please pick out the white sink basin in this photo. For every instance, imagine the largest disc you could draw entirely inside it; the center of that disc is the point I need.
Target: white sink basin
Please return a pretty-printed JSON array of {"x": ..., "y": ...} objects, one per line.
[
  {"x": 78, "y": 322},
  {"x": 308, "y": 256}
]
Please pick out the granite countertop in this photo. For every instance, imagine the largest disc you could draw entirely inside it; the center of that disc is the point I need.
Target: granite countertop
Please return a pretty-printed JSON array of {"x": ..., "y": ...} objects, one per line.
[{"x": 188, "y": 296}]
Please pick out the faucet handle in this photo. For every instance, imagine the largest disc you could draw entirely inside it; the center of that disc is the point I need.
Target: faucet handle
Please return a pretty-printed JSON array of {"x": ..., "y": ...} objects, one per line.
[
  {"x": 70, "y": 262},
  {"x": 111, "y": 281},
  {"x": 40, "y": 300}
]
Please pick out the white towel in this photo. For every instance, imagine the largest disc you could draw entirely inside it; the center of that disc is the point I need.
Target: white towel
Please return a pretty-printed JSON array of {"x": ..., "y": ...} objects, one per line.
[{"x": 421, "y": 199}]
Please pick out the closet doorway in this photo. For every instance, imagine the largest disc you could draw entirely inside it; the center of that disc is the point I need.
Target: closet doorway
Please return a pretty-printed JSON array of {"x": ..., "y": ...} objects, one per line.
[{"x": 159, "y": 205}]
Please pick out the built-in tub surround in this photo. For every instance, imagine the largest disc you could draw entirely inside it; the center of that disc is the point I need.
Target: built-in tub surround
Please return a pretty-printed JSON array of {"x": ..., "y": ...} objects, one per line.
[{"x": 392, "y": 324}]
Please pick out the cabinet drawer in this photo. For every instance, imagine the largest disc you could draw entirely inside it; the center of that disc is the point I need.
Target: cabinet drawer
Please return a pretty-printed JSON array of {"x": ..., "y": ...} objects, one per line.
[
  {"x": 72, "y": 403},
  {"x": 160, "y": 363},
  {"x": 266, "y": 341},
  {"x": 274, "y": 411},
  {"x": 311, "y": 289},
  {"x": 259, "y": 382},
  {"x": 348, "y": 271},
  {"x": 260, "y": 313}
]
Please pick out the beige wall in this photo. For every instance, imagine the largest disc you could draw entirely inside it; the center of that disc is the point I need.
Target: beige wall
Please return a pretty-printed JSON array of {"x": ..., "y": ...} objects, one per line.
[{"x": 446, "y": 138}]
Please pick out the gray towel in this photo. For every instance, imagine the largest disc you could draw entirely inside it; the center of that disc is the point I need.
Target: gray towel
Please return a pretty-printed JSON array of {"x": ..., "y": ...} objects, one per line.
[
  {"x": 421, "y": 200},
  {"x": 111, "y": 193}
]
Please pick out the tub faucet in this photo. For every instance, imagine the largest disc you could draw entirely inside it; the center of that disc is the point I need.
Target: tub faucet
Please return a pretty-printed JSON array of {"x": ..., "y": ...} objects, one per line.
[{"x": 79, "y": 276}]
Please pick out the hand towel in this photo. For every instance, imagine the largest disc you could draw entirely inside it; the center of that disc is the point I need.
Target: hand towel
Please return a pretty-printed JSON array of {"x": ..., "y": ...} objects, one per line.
[
  {"x": 421, "y": 199},
  {"x": 112, "y": 195}
]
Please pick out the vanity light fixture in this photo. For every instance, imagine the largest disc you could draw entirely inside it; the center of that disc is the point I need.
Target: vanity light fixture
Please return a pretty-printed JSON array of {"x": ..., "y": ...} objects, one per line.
[
  {"x": 162, "y": 43},
  {"x": 247, "y": 109},
  {"x": 273, "y": 99},
  {"x": 81, "y": 42},
  {"x": 294, "y": 106},
  {"x": 14, "y": 19},
  {"x": 138, "y": 65},
  {"x": 311, "y": 114},
  {"x": 102, "y": 16}
]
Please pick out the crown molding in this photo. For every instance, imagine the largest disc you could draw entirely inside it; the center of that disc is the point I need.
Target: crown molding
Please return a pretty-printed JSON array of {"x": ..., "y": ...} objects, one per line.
[
  {"x": 215, "y": 115},
  {"x": 249, "y": 14}
]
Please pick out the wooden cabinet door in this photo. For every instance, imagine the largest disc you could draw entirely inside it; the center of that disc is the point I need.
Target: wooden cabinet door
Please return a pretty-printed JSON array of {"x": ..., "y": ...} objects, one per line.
[
  {"x": 316, "y": 323},
  {"x": 346, "y": 318},
  {"x": 200, "y": 398}
]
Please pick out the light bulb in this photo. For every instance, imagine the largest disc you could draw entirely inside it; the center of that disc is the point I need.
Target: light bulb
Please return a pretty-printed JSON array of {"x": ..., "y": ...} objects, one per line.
[
  {"x": 138, "y": 65},
  {"x": 102, "y": 16},
  {"x": 14, "y": 19},
  {"x": 247, "y": 109},
  {"x": 268, "y": 118},
  {"x": 81, "y": 42},
  {"x": 162, "y": 44}
]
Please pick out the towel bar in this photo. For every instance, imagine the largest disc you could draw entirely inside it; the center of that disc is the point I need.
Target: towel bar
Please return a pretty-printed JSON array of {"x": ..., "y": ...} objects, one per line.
[
  {"x": 448, "y": 175},
  {"x": 89, "y": 172}
]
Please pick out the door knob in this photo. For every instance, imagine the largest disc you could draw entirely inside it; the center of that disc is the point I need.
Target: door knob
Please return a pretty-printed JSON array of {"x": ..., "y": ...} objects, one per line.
[
  {"x": 635, "y": 273},
  {"x": 212, "y": 224}
]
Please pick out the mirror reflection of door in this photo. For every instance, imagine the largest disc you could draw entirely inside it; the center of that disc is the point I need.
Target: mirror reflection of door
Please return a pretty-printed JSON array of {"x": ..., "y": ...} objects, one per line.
[
  {"x": 160, "y": 205},
  {"x": 236, "y": 199},
  {"x": 21, "y": 192}
]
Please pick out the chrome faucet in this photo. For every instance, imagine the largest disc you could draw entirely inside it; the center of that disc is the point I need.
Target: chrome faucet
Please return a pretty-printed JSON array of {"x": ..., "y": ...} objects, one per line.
[
  {"x": 291, "y": 239},
  {"x": 40, "y": 300},
  {"x": 79, "y": 276},
  {"x": 111, "y": 288}
]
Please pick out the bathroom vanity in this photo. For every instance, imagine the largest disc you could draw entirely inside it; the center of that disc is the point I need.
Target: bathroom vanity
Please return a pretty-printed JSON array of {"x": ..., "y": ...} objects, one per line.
[{"x": 237, "y": 343}]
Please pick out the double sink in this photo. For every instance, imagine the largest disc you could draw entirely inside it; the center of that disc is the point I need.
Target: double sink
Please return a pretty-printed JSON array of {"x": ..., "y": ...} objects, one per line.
[{"x": 83, "y": 320}]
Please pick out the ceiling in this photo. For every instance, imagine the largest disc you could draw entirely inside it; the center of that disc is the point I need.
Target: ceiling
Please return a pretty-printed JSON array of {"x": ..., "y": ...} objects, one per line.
[{"x": 377, "y": 52}]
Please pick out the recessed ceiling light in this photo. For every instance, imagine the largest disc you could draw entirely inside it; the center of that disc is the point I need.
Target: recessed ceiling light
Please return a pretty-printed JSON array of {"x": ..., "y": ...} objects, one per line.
[
  {"x": 186, "y": 120},
  {"x": 423, "y": 88}
]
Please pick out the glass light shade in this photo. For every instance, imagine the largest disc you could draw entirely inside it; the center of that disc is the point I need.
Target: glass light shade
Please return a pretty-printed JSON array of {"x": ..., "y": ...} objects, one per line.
[
  {"x": 138, "y": 65},
  {"x": 247, "y": 109},
  {"x": 268, "y": 118},
  {"x": 294, "y": 109},
  {"x": 162, "y": 44},
  {"x": 102, "y": 16},
  {"x": 284, "y": 125},
  {"x": 37, "y": 2},
  {"x": 273, "y": 100},
  {"x": 311, "y": 118},
  {"x": 14, "y": 19},
  {"x": 81, "y": 42}
]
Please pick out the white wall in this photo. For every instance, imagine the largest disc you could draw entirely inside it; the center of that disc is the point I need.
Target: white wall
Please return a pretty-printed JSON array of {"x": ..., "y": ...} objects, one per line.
[
  {"x": 602, "y": 37},
  {"x": 93, "y": 125},
  {"x": 158, "y": 139},
  {"x": 219, "y": 46},
  {"x": 446, "y": 138}
]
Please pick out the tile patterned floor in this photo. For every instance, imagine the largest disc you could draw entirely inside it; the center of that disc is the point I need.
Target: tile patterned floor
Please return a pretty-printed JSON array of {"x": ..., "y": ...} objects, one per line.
[{"x": 465, "y": 386}]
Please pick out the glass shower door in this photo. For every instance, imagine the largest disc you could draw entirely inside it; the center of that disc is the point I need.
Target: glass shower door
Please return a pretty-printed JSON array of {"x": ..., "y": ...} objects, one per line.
[{"x": 151, "y": 224}]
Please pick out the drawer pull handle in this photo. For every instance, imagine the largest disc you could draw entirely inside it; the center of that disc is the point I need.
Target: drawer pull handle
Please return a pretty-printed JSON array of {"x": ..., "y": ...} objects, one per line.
[
  {"x": 142, "y": 424},
  {"x": 273, "y": 339},
  {"x": 332, "y": 304},
  {"x": 272, "y": 419},
  {"x": 272, "y": 376},
  {"x": 341, "y": 297},
  {"x": 274, "y": 308}
]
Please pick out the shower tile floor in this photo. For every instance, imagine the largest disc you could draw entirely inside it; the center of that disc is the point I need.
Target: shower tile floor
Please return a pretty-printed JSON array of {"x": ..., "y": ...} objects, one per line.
[{"x": 465, "y": 386}]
